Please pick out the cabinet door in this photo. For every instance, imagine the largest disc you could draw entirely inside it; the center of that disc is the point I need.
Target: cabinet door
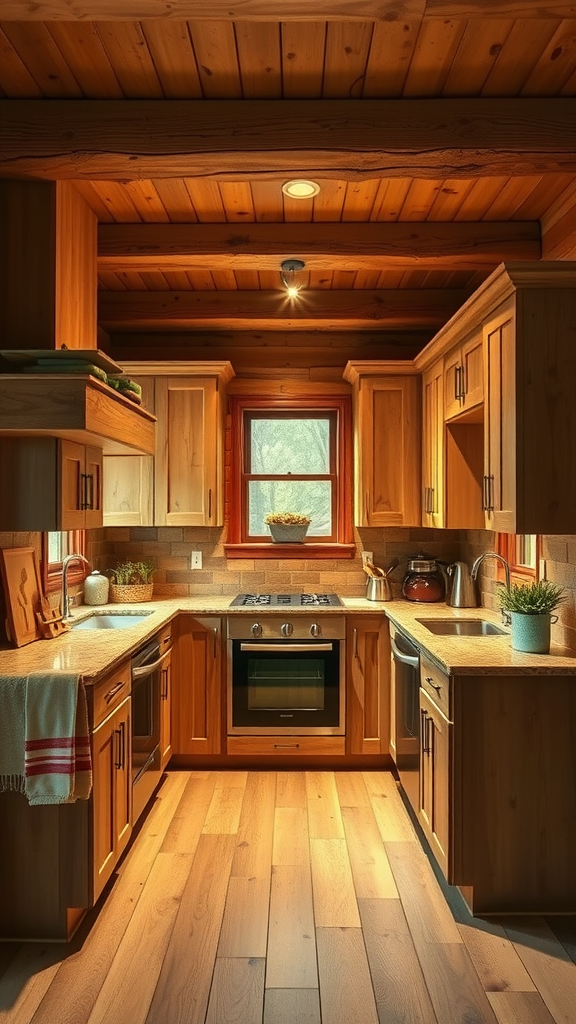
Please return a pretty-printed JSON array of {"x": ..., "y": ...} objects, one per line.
[
  {"x": 165, "y": 712},
  {"x": 464, "y": 376},
  {"x": 93, "y": 488},
  {"x": 433, "y": 446},
  {"x": 197, "y": 689},
  {"x": 72, "y": 459},
  {"x": 188, "y": 452},
  {"x": 368, "y": 685},
  {"x": 434, "y": 802},
  {"x": 388, "y": 441},
  {"x": 499, "y": 482},
  {"x": 111, "y": 793},
  {"x": 128, "y": 480}
]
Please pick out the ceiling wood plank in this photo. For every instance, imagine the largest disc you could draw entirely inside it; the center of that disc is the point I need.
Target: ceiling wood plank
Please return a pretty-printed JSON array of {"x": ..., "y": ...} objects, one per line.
[
  {"x": 270, "y": 310},
  {"x": 325, "y": 246},
  {"x": 559, "y": 227},
  {"x": 229, "y": 140},
  {"x": 267, "y": 10}
]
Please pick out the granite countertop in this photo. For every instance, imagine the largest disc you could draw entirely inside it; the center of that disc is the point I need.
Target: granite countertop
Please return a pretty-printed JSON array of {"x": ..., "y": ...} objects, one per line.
[{"x": 94, "y": 652}]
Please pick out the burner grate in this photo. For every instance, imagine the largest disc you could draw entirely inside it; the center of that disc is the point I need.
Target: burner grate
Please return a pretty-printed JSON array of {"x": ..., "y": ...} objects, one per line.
[{"x": 287, "y": 600}]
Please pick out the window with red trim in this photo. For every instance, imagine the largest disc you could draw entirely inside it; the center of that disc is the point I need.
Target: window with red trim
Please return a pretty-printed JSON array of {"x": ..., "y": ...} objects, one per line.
[
  {"x": 522, "y": 552},
  {"x": 55, "y": 546},
  {"x": 290, "y": 458}
]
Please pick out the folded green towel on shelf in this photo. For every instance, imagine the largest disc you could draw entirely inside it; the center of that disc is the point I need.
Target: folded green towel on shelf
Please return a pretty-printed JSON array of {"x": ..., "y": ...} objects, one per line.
[{"x": 68, "y": 366}]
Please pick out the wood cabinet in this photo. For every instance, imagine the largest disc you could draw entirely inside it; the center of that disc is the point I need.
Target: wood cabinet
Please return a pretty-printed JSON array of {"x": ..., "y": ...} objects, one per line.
[
  {"x": 197, "y": 707},
  {"x": 464, "y": 376},
  {"x": 167, "y": 641},
  {"x": 433, "y": 446},
  {"x": 367, "y": 685},
  {"x": 184, "y": 485},
  {"x": 55, "y": 484},
  {"x": 435, "y": 778},
  {"x": 112, "y": 793},
  {"x": 387, "y": 442}
]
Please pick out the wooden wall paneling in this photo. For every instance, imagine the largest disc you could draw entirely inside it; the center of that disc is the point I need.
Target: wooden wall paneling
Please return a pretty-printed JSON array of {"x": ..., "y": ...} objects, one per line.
[
  {"x": 259, "y": 57},
  {"x": 81, "y": 47},
  {"x": 527, "y": 39},
  {"x": 115, "y": 198},
  {"x": 390, "y": 54},
  {"x": 437, "y": 43},
  {"x": 476, "y": 55},
  {"x": 237, "y": 201},
  {"x": 129, "y": 55},
  {"x": 15, "y": 78},
  {"x": 345, "y": 58},
  {"x": 303, "y": 46},
  {"x": 556, "y": 65},
  {"x": 173, "y": 56},
  {"x": 27, "y": 264},
  {"x": 146, "y": 201},
  {"x": 38, "y": 51},
  {"x": 176, "y": 199},
  {"x": 75, "y": 283},
  {"x": 95, "y": 201},
  {"x": 217, "y": 59}
]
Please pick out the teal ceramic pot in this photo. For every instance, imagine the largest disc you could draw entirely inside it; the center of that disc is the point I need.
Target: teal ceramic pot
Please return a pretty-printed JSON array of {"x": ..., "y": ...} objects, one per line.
[{"x": 531, "y": 633}]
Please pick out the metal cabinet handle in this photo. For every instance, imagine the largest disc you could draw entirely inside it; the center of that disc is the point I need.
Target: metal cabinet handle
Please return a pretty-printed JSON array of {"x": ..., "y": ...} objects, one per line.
[
  {"x": 215, "y": 636},
  {"x": 425, "y": 746},
  {"x": 209, "y": 503},
  {"x": 456, "y": 383},
  {"x": 83, "y": 496},
  {"x": 488, "y": 493},
  {"x": 120, "y": 760},
  {"x": 355, "y": 644},
  {"x": 277, "y": 746},
  {"x": 112, "y": 693},
  {"x": 435, "y": 686},
  {"x": 164, "y": 685},
  {"x": 90, "y": 490}
]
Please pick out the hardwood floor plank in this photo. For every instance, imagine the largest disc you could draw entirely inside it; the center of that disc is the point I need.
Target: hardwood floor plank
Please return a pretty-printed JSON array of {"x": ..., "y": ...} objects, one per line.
[
  {"x": 455, "y": 990},
  {"x": 237, "y": 993},
  {"x": 519, "y": 1008},
  {"x": 324, "y": 817},
  {"x": 399, "y": 987},
  {"x": 547, "y": 963},
  {"x": 244, "y": 930},
  {"x": 223, "y": 814},
  {"x": 389, "y": 811},
  {"x": 72, "y": 994},
  {"x": 352, "y": 790},
  {"x": 427, "y": 913},
  {"x": 291, "y": 789},
  {"x": 23, "y": 987},
  {"x": 291, "y": 1006},
  {"x": 346, "y": 994},
  {"x": 373, "y": 878},
  {"x": 129, "y": 986},
  {"x": 564, "y": 929},
  {"x": 291, "y": 841},
  {"x": 188, "y": 821},
  {"x": 255, "y": 830},
  {"x": 291, "y": 942},
  {"x": 332, "y": 886},
  {"x": 181, "y": 996},
  {"x": 495, "y": 959}
]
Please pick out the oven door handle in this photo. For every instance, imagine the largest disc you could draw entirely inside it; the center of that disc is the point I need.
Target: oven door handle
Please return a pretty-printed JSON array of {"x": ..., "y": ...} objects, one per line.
[
  {"x": 405, "y": 659},
  {"x": 147, "y": 670},
  {"x": 285, "y": 647}
]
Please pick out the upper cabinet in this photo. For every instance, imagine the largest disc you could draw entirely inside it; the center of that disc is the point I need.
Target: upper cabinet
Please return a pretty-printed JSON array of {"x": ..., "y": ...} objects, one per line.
[
  {"x": 463, "y": 376},
  {"x": 433, "y": 445},
  {"x": 386, "y": 443},
  {"x": 185, "y": 484},
  {"x": 510, "y": 458}
]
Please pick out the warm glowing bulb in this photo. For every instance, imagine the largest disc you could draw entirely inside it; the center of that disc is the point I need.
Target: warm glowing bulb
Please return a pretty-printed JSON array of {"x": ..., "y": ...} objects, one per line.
[{"x": 292, "y": 291}]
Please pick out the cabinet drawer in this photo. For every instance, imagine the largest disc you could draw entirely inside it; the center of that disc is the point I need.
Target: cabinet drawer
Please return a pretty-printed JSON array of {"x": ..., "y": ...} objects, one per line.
[
  {"x": 293, "y": 746},
  {"x": 109, "y": 692},
  {"x": 166, "y": 636},
  {"x": 436, "y": 684}
]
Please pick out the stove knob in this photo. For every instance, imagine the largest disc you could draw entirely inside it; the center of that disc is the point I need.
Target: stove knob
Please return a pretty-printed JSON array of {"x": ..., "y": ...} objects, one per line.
[
  {"x": 256, "y": 629},
  {"x": 315, "y": 629},
  {"x": 287, "y": 629}
]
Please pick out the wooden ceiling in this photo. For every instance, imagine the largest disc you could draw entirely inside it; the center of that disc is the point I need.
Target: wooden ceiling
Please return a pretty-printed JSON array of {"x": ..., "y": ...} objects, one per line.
[{"x": 441, "y": 132}]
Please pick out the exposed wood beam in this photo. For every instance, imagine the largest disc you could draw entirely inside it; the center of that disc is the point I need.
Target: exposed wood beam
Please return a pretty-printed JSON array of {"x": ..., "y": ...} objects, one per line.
[
  {"x": 262, "y": 139},
  {"x": 272, "y": 10},
  {"x": 173, "y": 247},
  {"x": 559, "y": 227},
  {"x": 272, "y": 310}
]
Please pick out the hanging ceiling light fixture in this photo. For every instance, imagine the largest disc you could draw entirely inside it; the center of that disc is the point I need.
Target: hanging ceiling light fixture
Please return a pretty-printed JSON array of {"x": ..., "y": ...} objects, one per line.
[{"x": 288, "y": 269}]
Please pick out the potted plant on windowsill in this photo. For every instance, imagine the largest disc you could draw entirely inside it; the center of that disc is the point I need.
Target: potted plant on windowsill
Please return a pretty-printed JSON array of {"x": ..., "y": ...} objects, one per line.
[
  {"x": 287, "y": 527},
  {"x": 131, "y": 581},
  {"x": 529, "y": 607}
]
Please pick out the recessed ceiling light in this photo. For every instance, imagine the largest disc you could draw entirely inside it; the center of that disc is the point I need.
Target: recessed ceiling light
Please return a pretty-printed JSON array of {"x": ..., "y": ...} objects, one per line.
[{"x": 301, "y": 189}]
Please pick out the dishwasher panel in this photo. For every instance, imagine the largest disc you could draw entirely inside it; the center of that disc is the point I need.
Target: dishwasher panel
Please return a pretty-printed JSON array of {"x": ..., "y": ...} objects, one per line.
[{"x": 405, "y": 739}]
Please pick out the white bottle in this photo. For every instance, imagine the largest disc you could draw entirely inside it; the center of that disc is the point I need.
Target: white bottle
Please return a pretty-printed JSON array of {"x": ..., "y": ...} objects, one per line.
[{"x": 96, "y": 588}]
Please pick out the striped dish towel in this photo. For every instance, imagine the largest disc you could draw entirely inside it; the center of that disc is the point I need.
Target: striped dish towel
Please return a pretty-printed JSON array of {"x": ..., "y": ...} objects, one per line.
[{"x": 50, "y": 740}]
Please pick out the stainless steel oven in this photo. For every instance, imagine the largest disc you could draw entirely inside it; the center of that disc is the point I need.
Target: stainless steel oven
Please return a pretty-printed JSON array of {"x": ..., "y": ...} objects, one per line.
[
  {"x": 286, "y": 673},
  {"x": 146, "y": 668}
]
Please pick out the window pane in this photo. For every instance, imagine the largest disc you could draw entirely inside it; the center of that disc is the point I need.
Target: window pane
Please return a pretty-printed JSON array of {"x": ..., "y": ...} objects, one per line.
[
  {"x": 58, "y": 545},
  {"x": 526, "y": 550},
  {"x": 312, "y": 498},
  {"x": 290, "y": 445}
]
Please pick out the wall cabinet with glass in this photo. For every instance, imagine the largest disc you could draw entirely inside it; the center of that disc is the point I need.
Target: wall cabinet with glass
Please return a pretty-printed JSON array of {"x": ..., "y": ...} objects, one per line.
[{"x": 387, "y": 443}]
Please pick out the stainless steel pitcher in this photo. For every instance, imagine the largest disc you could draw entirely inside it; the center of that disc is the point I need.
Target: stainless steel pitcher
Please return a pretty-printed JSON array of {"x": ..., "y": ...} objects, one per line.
[
  {"x": 378, "y": 588},
  {"x": 462, "y": 593}
]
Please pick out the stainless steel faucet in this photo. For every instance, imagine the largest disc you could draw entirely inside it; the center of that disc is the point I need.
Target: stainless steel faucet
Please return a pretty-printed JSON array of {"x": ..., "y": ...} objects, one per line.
[
  {"x": 65, "y": 599},
  {"x": 491, "y": 554}
]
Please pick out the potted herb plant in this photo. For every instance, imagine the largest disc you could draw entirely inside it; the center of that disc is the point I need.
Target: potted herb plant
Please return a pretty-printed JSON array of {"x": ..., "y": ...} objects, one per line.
[
  {"x": 529, "y": 607},
  {"x": 131, "y": 581},
  {"x": 287, "y": 527}
]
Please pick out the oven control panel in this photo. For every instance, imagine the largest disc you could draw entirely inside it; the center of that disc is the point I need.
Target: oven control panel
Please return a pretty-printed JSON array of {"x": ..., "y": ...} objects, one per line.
[{"x": 286, "y": 627}]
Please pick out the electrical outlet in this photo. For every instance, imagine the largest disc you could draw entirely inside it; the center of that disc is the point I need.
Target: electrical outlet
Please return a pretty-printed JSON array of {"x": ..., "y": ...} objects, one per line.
[
  {"x": 196, "y": 560},
  {"x": 367, "y": 556}
]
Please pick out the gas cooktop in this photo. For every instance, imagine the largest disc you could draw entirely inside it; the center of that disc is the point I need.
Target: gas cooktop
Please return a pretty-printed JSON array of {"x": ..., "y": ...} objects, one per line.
[{"x": 287, "y": 600}]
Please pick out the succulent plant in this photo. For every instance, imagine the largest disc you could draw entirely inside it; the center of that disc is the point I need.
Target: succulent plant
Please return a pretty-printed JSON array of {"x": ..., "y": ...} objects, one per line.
[{"x": 287, "y": 519}]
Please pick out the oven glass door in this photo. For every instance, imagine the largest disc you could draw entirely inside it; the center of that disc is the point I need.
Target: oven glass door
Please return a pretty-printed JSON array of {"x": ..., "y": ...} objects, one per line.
[{"x": 285, "y": 685}]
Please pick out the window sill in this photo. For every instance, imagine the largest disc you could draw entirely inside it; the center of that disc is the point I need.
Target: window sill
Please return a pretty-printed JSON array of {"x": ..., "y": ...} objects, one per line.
[{"x": 305, "y": 550}]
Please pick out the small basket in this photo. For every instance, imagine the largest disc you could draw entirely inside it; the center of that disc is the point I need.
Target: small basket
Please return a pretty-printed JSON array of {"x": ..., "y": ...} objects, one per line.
[{"x": 129, "y": 592}]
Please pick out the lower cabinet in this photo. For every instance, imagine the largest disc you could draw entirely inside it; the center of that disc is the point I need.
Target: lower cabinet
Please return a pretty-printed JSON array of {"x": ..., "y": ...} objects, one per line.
[
  {"x": 111, "y": 796},
  {"x": 434, "y": 795},
  {"x": 368, "y": 684},
  {"x": 167, "y": 643},
  {"x": 197, "y": 726}
]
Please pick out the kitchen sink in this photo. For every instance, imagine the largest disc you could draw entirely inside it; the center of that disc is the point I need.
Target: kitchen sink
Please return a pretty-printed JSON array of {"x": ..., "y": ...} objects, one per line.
[
  {"x": 462, "y": 627},
  {"x": 111, "y": 620}
]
